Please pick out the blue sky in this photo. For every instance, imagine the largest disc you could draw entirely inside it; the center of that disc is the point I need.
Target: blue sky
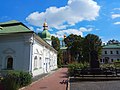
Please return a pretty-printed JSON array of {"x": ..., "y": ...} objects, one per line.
[{"x": 81, "y": 17}]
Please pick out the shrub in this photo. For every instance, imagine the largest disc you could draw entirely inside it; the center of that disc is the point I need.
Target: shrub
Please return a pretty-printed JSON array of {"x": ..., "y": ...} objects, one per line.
[
  {"x": 117, "y": 64},
  {"x": 74, "y": 66},
  {"x": 25, "y": 78},
  {"x": 13, "y": 80}
]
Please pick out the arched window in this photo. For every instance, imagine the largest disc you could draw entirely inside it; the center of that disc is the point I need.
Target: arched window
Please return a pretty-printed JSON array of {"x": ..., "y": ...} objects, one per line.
[
  {"x": 10, "y": 63},
  {"x": 35, "y": 62},
  {"x": 40, "y": 62}
]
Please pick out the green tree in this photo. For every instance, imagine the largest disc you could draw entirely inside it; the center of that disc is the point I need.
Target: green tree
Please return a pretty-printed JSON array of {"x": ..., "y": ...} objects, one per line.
[
  {"x": 91, "y": 42},
  {"x": 74, "y": 44},
  {"x": 55, "y": 43},
  {"x": 56, "y": 46},
  {"x": 113, "y": 41}
]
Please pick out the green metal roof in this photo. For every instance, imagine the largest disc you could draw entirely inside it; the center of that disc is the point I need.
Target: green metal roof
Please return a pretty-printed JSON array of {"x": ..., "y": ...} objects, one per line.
[
  {"x": 111, "y": 46},
  {"x": 46, "y": 35},
  {"x": 13, "y": 27},
  {"x": 9, "y": 22}
]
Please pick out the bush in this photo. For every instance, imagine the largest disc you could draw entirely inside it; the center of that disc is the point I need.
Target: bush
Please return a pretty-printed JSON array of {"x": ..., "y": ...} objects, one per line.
[
  {"x": 25, "y": 78},
  {"x": 74, "y": 66},
  {"x": 13, "y": 80},
  {"x": 107, "y": 65}
]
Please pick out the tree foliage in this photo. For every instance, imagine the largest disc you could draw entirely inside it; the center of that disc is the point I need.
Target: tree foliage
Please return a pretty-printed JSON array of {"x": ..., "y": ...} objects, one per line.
[
  {"x": 56, "y": 46},
  {"x": 74, "y": 44},
  {"x": 55, "y": 43},
  {"x": 78, "y": 46},
  {"x": 91, "y": 42},
  {"x": 113, "y": 41},
  {"x": 81, "y": 47}
]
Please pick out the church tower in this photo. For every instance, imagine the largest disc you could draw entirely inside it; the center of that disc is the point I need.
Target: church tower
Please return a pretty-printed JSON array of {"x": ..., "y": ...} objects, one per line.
[{"x": 45, "y": 34}]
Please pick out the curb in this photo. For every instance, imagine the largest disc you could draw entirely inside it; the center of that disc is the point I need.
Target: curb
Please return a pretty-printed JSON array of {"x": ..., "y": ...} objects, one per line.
[{"x": 68, "y": 84}]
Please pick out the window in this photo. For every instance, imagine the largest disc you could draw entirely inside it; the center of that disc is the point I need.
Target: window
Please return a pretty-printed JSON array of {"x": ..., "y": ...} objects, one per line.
[
  {"x": 103, "y": 60},
  {"x": 35, "y": 62},
  {"x": 111, "y": 52},
  {"x": 100, "y": 60},
  {"x": 117, "y": 59},
  {"x": 106, "y": 59},
  {"x": 111, "y": 60},
  {"x": 40, "y": 62},
  {"x": 10, "y": 63},
  {"x": 117, "y": 52},
  {"x": 105, "y": 52}
]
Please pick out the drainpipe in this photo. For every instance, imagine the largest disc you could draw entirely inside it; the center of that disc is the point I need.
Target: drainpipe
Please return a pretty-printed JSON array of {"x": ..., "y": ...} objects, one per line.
[{"x": 31, "y": 53}]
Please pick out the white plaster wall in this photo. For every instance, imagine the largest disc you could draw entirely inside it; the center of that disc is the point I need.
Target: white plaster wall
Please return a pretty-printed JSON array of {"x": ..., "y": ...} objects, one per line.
[
  {"x": 16, "y": 46},
  {"x": 47, "y": 55},
  {"x": 113, "y": 56},
  {"x": 23, "y": 48},
  {"x": 37, "y": 51}
]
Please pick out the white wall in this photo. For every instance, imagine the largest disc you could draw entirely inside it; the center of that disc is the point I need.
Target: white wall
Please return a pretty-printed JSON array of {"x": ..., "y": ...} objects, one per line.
[
  {"x": 16, "y": 46},
  {"x": 113, "y": 56},
  {"x": 24, "y": 48},
  {"x": 37, "y": 52},
  {"x": 41, "y": 49}
]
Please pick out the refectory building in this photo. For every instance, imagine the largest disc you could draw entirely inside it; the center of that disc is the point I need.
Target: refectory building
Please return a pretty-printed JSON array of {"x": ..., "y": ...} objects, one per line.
[
  {"x": 110, "y": 53},
  {"x": 22, "y": 49}
]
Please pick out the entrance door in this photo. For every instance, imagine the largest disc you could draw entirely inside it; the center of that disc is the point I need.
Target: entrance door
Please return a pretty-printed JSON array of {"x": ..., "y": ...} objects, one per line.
[{"x": 10, "y": 63}]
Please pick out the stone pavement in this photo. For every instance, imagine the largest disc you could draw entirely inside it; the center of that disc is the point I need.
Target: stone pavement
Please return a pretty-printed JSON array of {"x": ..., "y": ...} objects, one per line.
[
  {"x": 56, "y": 81},
  {"x": 95, "y": 85}
]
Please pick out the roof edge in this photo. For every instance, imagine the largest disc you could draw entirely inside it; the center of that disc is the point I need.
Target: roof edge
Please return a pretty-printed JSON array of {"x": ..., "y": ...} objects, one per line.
[{"x": 12, "y": 23}]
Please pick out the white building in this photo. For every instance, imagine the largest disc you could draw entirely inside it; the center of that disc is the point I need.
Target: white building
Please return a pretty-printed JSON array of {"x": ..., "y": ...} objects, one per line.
[
  {"x": 22, "y": 49},
  {"x": 110, "y": 53}
]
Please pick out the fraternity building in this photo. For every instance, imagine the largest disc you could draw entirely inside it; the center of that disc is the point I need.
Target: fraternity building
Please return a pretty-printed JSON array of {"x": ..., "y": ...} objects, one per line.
[
  {"x": 110, "y": 53},
  {"x": 22, "y": 49}
]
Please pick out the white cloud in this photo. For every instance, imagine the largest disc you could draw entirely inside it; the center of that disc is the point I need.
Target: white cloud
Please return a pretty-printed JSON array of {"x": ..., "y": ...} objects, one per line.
[
  {"x": 117, "y": 23},
  {"x": 79, "y": 31},
  {"x": 116, "y": 9},
  {"x": 60, "y": 34},
  {"x": 60, "y": 18},
  {"x": 39, "y": 30},
  {"x": 83, "y": 29},
  {"x": 115, "y": 16}
]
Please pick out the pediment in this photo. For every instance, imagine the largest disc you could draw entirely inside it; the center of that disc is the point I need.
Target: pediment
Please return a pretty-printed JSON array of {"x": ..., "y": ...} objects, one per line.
[
  {"x": 38, "y": 51},
  {"x": 8, "y": 51}
]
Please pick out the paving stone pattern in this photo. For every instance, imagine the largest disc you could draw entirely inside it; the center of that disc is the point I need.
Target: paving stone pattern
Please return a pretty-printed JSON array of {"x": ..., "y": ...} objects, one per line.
[
  {"x": 95, "y": 85},
  {"x": 55, "y": 81}
]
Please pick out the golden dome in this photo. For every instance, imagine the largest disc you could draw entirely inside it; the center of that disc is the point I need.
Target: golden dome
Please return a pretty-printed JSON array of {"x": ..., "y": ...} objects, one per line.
[
  {"x": 64, "y": 36},
  {"x": 45, "y": 24}
]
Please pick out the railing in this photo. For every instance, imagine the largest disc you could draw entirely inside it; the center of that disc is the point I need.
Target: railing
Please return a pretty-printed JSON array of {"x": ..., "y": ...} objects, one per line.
[{"x": 97, "y": 72}]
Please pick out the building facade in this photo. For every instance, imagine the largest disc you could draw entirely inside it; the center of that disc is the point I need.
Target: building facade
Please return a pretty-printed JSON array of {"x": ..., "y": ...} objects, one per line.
[
  {"x": 110, "y": 53},
  {"x": 21, "y": 49}
]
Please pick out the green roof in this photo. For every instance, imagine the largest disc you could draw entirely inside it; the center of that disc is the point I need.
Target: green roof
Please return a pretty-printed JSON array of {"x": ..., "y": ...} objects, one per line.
[
  {"x": 9, "y": 22},
  {"x": 111, "y": 46},
  {"x": 13, "y": 27},
  {"x": 46, "y": 35}
]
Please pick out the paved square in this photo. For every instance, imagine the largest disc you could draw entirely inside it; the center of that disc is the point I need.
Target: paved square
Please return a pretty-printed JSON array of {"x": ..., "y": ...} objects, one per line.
[{"x": 95, "y": 85}]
